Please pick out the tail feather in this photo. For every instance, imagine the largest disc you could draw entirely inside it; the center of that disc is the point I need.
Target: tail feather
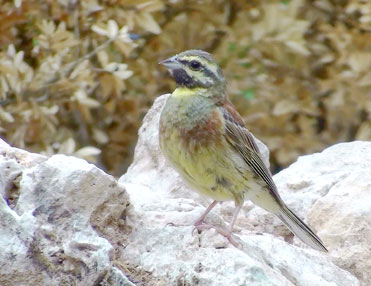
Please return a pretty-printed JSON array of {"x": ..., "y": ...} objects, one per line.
[{"x": 300, "y": 229}]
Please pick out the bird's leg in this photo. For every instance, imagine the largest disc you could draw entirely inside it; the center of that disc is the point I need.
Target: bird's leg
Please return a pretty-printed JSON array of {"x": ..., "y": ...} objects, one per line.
[
  {"x": 202, "y": 217},
  {"x": 234, "y": 218},
  {"x": 227, "y": 233}
]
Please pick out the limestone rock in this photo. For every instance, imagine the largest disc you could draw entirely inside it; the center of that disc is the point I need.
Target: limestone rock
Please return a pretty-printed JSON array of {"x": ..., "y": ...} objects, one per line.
[
  {"x": 333, "y": 189},
  {"x": 163, "y": 242},
  {"x": 339, "y": 184},
  {"x": 65, "y": 222},
  {"x": 51, "y": 210}
]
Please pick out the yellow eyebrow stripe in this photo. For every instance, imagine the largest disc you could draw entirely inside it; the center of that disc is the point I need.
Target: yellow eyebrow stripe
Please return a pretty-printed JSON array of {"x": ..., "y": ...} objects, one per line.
[{"x": 191, "y": 58}]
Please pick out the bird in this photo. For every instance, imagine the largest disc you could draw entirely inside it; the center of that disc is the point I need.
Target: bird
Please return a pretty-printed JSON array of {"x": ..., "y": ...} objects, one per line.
[{"x": 206, "y": 140}]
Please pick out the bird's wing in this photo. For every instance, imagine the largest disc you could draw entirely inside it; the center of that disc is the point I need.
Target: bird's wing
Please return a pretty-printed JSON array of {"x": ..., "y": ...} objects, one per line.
[{"x": 244, "y": 143}]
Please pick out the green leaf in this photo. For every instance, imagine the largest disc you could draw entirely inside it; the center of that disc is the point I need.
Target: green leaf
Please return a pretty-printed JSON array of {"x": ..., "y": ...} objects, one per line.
[
  {"x": 232, "y": 47},
  {"x": 246, "y": 65},
  {"x": 248, "y": 94}
]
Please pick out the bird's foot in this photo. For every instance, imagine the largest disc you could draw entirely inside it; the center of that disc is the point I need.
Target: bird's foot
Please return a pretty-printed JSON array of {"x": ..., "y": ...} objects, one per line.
[{"x": 200, "y": 226}]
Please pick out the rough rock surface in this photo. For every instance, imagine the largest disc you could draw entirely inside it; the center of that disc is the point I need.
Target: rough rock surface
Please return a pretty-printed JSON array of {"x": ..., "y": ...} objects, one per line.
[
  {"x": 333, "y": 188},
  {"x": 65, "y": 222},
  {"x": 51, "y": 210},
  {"x": 164, "y": 243}
]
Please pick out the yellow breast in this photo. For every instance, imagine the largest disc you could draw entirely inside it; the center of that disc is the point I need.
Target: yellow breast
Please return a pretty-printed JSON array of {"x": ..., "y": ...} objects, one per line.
[{"x": 192, "y": 138}]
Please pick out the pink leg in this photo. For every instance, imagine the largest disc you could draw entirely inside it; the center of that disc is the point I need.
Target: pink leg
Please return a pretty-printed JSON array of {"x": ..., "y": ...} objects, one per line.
[
  {"x": 234, "y": 218},
  {"x": 227, "y": 233},
  {"x": 202, "y": 217}
]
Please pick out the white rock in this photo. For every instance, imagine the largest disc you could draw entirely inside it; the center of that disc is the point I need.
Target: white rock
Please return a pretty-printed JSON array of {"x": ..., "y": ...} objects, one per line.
[
  {"x": 163, "y": 242},
  {"x": 338, "y": 180},
  {"x": 48, "y": 208},
  {"x": 333, "y": 189},
  {"x": 65, "y": 222}
]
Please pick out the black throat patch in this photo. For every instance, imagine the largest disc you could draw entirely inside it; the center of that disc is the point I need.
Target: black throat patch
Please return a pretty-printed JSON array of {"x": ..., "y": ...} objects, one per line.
[{"x": 182, "y": 78}]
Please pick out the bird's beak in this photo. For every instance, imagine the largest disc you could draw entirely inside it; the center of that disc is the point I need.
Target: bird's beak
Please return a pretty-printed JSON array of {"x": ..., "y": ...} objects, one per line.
[{"x": 171, "y": 63}]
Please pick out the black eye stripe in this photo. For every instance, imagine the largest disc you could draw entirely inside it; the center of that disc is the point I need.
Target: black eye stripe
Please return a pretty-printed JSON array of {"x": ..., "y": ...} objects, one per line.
[
  {"x": 184, "y": 62},
  {"x": 183, "y": 77},
  {"x": 193, "y": 64},
  {"x": 209, "y": 73}
]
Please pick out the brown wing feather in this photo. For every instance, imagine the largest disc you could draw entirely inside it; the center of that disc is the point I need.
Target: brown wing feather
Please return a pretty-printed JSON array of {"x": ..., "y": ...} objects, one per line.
[
  {"x": 243, "y": 142},
  {"x": 232, "y": 116}
]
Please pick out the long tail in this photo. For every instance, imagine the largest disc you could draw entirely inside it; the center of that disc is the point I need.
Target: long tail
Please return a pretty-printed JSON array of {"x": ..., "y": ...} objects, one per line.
[{"x": 300, "y": 229}]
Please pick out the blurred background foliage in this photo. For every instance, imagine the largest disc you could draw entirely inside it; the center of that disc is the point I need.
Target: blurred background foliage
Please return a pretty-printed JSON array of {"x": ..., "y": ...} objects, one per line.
[{"x": 77, "y": 77}]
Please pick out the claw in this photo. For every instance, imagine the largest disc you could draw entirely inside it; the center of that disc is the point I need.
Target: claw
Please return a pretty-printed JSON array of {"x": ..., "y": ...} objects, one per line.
[{"x": 223, "y": 231}]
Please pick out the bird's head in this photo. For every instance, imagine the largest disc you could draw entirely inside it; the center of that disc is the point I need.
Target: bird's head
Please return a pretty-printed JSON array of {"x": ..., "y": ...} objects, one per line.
[{"x": 194, "y": 69}]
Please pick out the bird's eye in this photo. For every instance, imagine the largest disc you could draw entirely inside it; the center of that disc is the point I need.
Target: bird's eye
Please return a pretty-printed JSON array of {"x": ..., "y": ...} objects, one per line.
[{"x": 195, "y": 65}]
